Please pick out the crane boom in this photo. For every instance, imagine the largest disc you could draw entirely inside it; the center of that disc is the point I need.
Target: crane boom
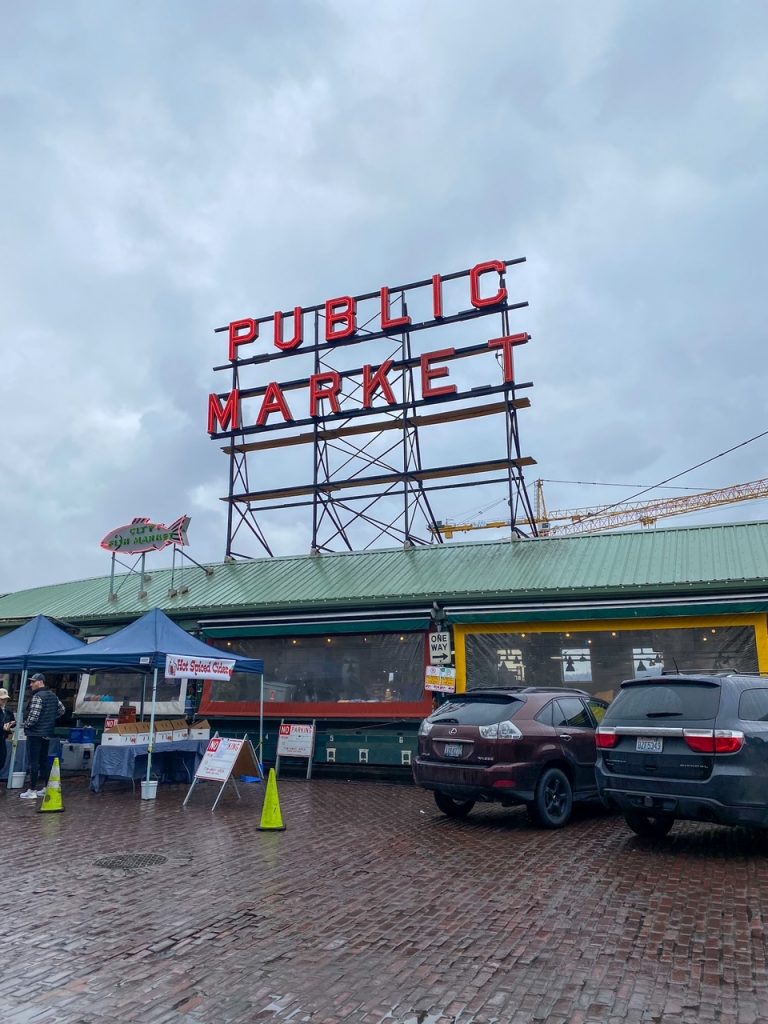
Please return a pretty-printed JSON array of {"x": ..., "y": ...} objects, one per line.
[{"x": 599, "y": 517}]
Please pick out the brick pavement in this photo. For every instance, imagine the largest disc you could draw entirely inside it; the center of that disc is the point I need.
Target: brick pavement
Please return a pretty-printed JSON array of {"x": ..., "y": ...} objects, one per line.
[{"x": 374, "y": 909}]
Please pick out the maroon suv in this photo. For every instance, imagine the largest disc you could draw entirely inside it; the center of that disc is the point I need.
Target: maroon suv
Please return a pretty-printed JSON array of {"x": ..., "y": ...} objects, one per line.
[{"x": 514, "y": 745}]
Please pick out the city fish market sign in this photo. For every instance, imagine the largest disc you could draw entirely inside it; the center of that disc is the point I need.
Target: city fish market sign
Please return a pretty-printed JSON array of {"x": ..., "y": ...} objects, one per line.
[
  {"x": 142, "y": 535},
  {"x": 179, "y": 666}
]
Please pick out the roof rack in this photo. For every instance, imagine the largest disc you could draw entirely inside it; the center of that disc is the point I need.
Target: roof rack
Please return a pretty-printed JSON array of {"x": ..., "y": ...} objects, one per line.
[
  {"x": 530, "y": 689},
  {"x": 720, "y": 673}
]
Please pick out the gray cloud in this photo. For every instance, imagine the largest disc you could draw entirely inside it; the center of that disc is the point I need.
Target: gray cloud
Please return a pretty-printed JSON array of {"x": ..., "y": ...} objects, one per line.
[{"x": 170, "y": 167}]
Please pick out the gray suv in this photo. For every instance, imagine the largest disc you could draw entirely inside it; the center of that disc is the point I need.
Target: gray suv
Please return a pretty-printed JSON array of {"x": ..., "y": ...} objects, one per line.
[{"x": 692, "y": 746}]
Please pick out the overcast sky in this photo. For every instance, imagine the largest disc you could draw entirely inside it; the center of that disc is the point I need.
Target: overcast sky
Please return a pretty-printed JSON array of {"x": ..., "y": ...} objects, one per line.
[{"x": 169, "y": 167}]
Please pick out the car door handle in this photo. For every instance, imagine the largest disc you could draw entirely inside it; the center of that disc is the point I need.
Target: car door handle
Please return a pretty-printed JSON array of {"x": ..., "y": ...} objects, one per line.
[{"x": 565, "y": 736}]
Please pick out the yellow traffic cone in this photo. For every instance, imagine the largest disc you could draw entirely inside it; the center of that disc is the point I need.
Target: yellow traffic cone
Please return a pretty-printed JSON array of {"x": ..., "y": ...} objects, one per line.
[
  {"x": 52, "y": 800},
  {"x": 271, "y": 818}
]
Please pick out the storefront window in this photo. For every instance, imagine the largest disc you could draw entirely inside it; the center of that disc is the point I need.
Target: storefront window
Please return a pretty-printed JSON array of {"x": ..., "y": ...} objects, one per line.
[
  {"x": 344, "y": 669},
  {"x": 598, "y": 660}
]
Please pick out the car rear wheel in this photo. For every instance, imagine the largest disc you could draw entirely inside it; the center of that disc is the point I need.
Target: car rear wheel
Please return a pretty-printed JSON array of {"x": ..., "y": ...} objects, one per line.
[
  {"x": 553, "y": 802},
  {"x": 453, "y": 808},
  {"x": 650, "y": 826}
]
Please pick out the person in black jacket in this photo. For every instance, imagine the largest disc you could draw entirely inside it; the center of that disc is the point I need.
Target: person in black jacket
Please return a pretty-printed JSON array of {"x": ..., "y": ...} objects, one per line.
[
  {"x": 44, "y": 708},
  {"x": 7, "y": 723}
]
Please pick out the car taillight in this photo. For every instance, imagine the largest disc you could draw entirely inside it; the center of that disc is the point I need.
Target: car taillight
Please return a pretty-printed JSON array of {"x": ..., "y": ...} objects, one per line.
[
  {"x": 714, "y": 741},
  {"x": 425, "y": 728},
  {"x": 500, "y": 731},
  {"x": 605, "y": 737}
]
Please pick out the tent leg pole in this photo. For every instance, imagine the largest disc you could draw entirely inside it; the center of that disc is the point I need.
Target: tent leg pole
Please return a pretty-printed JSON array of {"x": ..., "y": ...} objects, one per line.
[
  {"x": 17, "y": 730},
  {"x": 261, "y": 720},
  {"x": 152, "y": 726}
]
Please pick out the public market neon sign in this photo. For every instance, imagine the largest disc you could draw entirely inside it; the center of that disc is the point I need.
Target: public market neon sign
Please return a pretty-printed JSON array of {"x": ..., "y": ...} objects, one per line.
[{"x": 323, "y": 390}]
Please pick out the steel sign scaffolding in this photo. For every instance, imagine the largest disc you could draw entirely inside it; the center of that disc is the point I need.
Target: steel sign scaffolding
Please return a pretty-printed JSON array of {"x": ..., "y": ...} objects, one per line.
[{"x": 368, "y": 478}]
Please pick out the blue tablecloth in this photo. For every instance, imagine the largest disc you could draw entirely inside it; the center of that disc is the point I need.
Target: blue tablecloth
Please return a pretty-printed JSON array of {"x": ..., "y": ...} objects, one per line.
[
  {"x": 171, "y": 762},
  {"x": 21, "y": 758}
]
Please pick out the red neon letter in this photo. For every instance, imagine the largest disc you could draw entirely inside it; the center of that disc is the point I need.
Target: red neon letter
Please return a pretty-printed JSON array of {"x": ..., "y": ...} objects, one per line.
[
  {"x": 387, "y": 322},
  {"x": 298, "y": 323},
  {"x": 474, "y": 278},
  {"x": 340, "y": 311},
  {"x": 506, "y": 344},
  {"x": 372, "y": 381},
  {"x": 236, "y": 338},
  {"x": 273, "y": 401},
  {"x": 429, "y": 373},
  {"x": 227, "y": 416},
  {"x": 437, "y": 296},
  {"x": 317, "y": 393}
]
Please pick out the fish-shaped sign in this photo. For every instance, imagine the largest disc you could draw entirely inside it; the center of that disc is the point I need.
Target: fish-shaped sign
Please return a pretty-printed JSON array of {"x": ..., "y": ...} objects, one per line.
[{"x": 142, "y": 535}]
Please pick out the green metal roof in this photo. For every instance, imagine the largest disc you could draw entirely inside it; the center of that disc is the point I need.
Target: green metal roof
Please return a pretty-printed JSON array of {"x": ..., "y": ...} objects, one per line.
[{"x": 718, "y": 559}]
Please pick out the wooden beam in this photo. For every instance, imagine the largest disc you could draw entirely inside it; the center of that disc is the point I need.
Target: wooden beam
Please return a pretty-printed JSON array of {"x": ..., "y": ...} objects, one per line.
[
  {"x": 331, "y": 487},
  {"x": 372, "y": 428}
]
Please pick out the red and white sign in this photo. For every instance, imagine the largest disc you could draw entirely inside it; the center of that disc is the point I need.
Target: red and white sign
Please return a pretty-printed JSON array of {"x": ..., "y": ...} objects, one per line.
[
  {"x": 177, "y": 666},
  {"x": 377, "y": 383},
  {"x": 219, "y": 759},
  {"x": 296, "y": 740}
]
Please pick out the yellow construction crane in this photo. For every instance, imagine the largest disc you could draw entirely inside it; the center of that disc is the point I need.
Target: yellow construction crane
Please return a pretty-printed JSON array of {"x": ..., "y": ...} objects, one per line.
[{"x": 598, "y": 517}]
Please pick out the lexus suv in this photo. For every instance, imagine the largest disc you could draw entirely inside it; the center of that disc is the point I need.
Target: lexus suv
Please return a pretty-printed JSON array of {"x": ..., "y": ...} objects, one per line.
[
  {"x": 513, "y": 745},
  {"x": 691, "y": 746}
]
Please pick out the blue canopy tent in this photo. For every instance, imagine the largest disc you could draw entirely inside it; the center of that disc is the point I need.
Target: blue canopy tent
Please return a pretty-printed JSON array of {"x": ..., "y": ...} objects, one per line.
[
  {"x": 21, "y": 650},
  {"x": 142, "y": 647}
]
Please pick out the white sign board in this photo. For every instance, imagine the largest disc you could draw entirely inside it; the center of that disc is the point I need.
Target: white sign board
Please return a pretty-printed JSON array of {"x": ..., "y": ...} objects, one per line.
[
  {"x": 440, "y": 679},
  {"x": 296, "y": 740},
  {"x": 178, "y": 666},
  {"x": 439, "y": 648},
  {"x": 222, "y": 761},
  {"x": 219, "y": 759}
]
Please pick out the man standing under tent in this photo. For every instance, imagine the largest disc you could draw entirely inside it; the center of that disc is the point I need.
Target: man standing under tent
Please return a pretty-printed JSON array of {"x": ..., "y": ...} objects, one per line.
[{"x": 44, "y": 708}]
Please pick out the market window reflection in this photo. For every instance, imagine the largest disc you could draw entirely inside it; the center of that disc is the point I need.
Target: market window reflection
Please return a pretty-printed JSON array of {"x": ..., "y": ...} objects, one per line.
[
  {"x": 599, "y": 660},
  {"x": 646, "y": 661},
  {"x": 345, "y": 668},
  {"x": 510, "y": 669},
  {"x": 577, "y": 665}
]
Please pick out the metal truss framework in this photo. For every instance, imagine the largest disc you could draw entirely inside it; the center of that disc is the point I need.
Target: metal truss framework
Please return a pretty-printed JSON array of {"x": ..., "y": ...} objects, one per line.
[{"x": 368, "y": 476}]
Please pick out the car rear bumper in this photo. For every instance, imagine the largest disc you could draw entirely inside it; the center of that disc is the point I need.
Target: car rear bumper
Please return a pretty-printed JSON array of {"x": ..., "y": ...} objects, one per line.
[
  {"x": 703, "y": 804},
  {"x": 506, "y": 783}
]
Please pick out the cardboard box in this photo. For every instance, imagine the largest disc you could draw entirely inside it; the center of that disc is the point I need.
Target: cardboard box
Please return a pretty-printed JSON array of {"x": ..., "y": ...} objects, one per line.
[
  {"x": 180, "y": 730},
  {"x": 121, "y": 736},
  {"x": 163, "y": 731},
  {"x": 200, "y": 730},
  {"x": 142, "y": 733},
  {"x": 112, "y": 738}
]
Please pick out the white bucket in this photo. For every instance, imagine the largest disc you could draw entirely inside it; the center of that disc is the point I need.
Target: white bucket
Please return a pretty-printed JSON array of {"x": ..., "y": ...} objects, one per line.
[
  {"x": 16, "y": 780},
  {"x": 149, "y": 789}
]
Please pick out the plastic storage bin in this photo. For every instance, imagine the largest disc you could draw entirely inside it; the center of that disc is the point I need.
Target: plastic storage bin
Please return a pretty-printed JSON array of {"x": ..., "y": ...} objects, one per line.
[{"x": 76, "y": 756}]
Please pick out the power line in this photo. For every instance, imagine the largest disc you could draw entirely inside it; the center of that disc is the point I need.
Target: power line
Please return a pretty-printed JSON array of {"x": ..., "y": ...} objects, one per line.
[
  {"x": 598, "y": 483},
  {"x": 705, "y": 462}
]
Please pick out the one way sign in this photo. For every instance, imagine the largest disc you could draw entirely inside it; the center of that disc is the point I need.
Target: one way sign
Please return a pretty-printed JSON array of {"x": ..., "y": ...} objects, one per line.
[{"x": 439, "y": 648}]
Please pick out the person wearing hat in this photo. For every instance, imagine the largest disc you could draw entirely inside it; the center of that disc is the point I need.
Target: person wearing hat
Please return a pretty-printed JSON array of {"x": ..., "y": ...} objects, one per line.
[
  {"x": 7, "y": 723},
  {"x": 44, "y": 708}
]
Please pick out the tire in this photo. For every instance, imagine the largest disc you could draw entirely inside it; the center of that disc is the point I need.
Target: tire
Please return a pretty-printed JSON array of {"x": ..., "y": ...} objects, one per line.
[
  {"x": 649, "y": 826},
  {"x": 453, "y": 808},
  {"x": 553, "y": 803}
]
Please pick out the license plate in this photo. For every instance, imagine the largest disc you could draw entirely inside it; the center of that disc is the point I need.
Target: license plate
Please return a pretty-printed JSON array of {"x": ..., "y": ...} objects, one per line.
[
  {"x": 650, "y": 744},
  {"x": 452, "y": 750}
]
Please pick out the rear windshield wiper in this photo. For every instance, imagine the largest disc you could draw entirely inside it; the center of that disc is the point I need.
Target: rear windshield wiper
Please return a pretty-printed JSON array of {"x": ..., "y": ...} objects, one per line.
[
  {"x": 663, "y": 714},
  {"x": 436, "y": 720}
]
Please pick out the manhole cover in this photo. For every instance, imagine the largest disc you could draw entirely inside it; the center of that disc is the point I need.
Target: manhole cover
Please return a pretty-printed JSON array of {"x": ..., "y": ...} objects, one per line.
[{"x": 128, "y": 861}]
